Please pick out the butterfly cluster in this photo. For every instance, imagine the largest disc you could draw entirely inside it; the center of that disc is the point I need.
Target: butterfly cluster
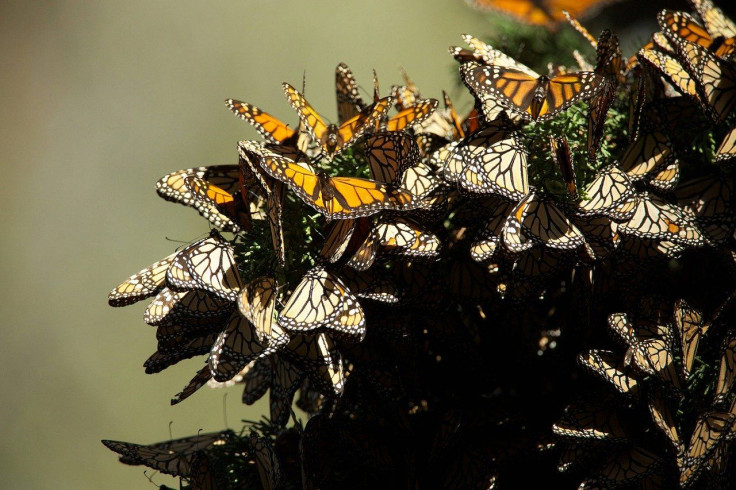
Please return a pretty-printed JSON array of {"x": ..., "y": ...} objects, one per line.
[{"x": 546, "y": 282}]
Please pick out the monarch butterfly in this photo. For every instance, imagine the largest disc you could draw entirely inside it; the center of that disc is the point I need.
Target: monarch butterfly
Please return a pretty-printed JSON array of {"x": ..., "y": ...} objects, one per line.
[
  {"x": 714, "y": 19},
  {"x": 256, "y": 380},
  {"x": 679, "y": 26},
  {"x": 601, "y": 235},
  {"x": 545, "y": 12},
  {"x": 414, "y": 115},
  {"x": 690, "y": 327},
  {"x": 486, "y": 244},
  {"x": 652, "y": 151},
  {"x": 172, "y": 338},
  {"x": 443, "y": 124},
  {"x": 726, "y": 369},
  {"x": 267, "y": 126},
  {"x": 536, "y": 219},
  {"x": 716, "y": 80},
  {"x": 371, "y": 284},
  {"x": 225, "y": 203},
  {"x": 590, "y": 420},
  {"x": 334, "y": 139},
  {"x": 275, "y": 192},
  {"x": 629, "y": 334},
  {"x": 334, "y": 197},
  {"x": 320, "y": 359},
  {"x": 650, "y": 248},
  {"x": 727, "y": 149},
  {"x": 654, "y": 357},
  {"x": 597, "y": 117},
  {"x": 322, "y": 301},
  {"x": 141, "y": 285},
  {"x": 158, "y": 361},
  {"x": 624, "y": 467},
  {"x": 285, "y": 379},
  {"x": 657, "y": 219},
  {"x": 659, "y": 409},
  {"x": 172, "y": 187},
  {"x": 208, "y": 264},
  {"x": 200, "y": 379},
  {"x": 605, "y": 364},
  {"x": 486, "y": 54},
  {"x": 407, "y": 95},
  {"x": 240, "y": 343},
  {"x": 708, "y": 198},
  {"x": 189, "y": 307},
  {"x": 493, "y": 161},
  {"x": 349, "y": 103},
  {"x": 671, "y": 69},
  {"x": 562, "y": 156},
  {"x": 710, "y": 431},
  {"x": 606, "y": 193},
  {"x": 266, "y": 460},
  {"x": 344, "y": 238},
  {"x": 666, "y": 178},
  {"x": 389, "y": 154},
  {"x": 174, "y": 457},
  {"x": 397, "y": 236},
  {"x": 535, "y": 99}
]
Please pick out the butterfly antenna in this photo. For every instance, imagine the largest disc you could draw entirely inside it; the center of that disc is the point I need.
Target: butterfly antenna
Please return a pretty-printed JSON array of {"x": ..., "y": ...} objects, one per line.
[
  {"x": 304, "y": 82},
  {"x": 171, "y": 435},
  {"x": 224, "y": 409}
]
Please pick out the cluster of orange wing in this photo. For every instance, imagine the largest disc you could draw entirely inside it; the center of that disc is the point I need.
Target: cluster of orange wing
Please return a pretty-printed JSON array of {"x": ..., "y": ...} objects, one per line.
[{"x": 441, "y": 228}]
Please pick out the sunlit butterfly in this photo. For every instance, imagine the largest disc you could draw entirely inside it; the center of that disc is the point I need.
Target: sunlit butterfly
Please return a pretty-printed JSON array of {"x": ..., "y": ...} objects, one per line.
[
  {"x": 708, "y": 198},
  {"x": 208, "y": 264},
  {"x": 659, "y": 409},
  {"x": 227, "y": 204},
  {"x": 535, "y": 99},
  {"x": 536, "y": 219},
  {"x": 657, "y": 219},
  {"x": 607, "y": 365},
  {"x": 715, "y": 20},
  {"x": 322, "y": 302},
  {"x": 389, "y": 154},
  {"x": 726, "y": 151},
  {"x": 671, "y": 69},
  {"x": 172, "y": 187},
  {"x": 491, "y": 161},
  {"x": 349, "y": 103},
  {"x": 141, "y": 285},
  {"x": 606, "y": 193},
  {"x": 679, "y": 26},
  {"x": 544, "y": 12},
  {"x": 650, "y": 152},
  {"x": 334, "y": 197},
  {"x": 332, "y": 138},
  {"x": 716, "y": 79}
]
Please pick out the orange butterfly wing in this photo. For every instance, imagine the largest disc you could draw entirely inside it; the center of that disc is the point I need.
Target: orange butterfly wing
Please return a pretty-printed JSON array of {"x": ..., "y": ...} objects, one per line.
[
  {"x": 412, "y": 115},
  {"x": 268, "y": 126},
  {"x": 311, "y": 119}
]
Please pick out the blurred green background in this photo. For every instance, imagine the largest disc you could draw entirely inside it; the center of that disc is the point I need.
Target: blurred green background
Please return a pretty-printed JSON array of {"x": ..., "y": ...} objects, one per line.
[{"x": 99, "y": 100}]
